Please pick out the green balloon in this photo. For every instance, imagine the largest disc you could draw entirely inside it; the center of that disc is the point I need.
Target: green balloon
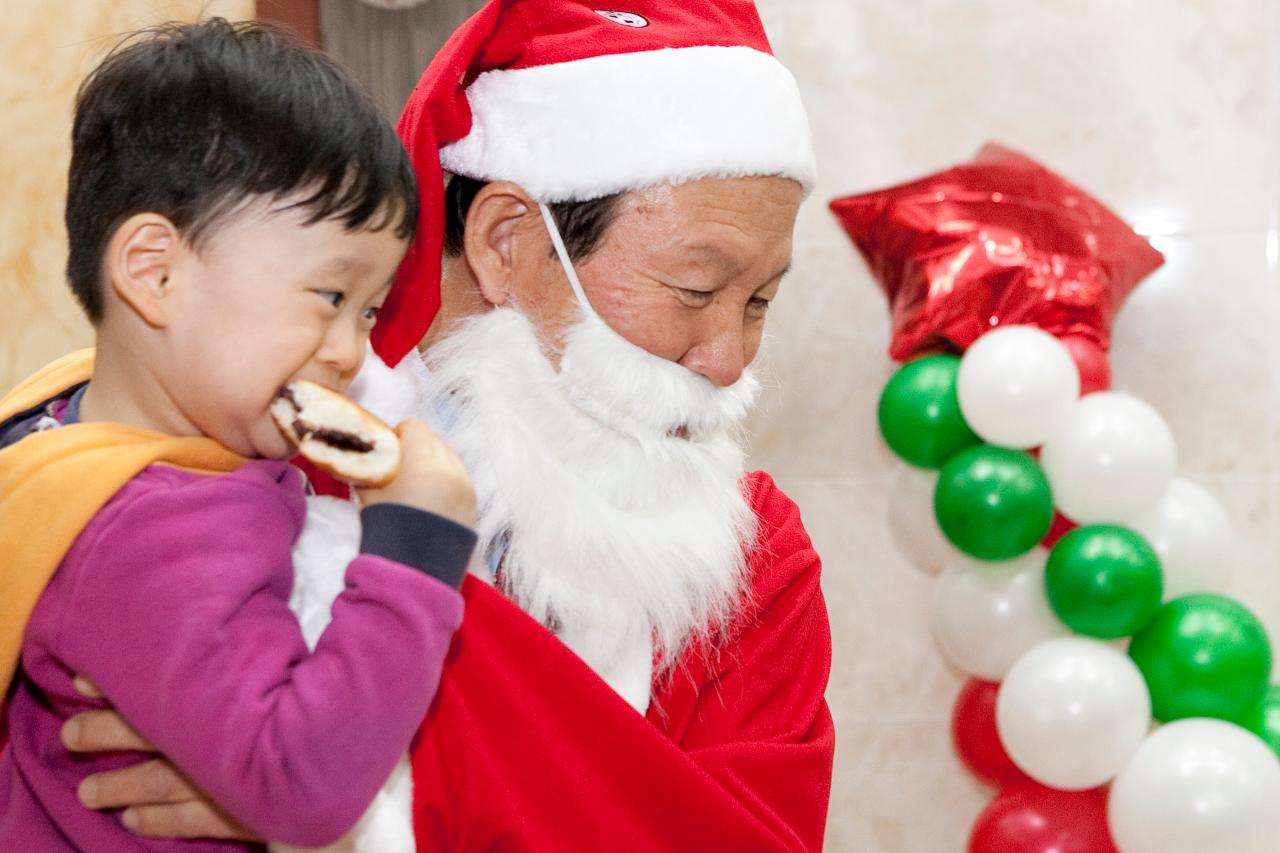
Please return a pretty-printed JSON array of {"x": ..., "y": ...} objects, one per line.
[
  {"x": 920, "y": 415},
  {"x": 1203, "y": 655},
  {"x": 993, "y": 503},
  {"x": 1103, "y": 581},
  {"x": 1264, "y": 719}
]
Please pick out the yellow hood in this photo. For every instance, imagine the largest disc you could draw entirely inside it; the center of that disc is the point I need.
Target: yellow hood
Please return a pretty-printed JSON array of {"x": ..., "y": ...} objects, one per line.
[{"x": 53, "y": 482}]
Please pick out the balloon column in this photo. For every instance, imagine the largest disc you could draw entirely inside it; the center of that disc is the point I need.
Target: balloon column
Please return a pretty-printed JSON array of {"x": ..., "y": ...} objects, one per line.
[{"x": 1079, "y": 579}]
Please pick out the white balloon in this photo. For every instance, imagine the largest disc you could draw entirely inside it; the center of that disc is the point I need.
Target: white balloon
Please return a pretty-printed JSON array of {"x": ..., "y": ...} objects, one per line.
[
  {"x": 1192, "y": 533},
  {"x": 1196, "y": 786},
  {"x": 913, "y": 522},
  {"x": 1016, "y": 384},
  {"x": 986, "y": 614},
  {"x": 1071, "y": 712},
  {"x": 1110, "y": 459}
]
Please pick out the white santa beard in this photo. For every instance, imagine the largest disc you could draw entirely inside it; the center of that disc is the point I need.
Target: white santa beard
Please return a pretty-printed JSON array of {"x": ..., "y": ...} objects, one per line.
[
  {"x": 616, "y": 531},
  {"x": 636, "y": 392}
]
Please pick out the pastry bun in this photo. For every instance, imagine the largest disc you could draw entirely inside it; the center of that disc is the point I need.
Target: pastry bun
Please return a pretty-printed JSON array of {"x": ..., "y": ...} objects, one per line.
[{"x": 336, "y": 435}]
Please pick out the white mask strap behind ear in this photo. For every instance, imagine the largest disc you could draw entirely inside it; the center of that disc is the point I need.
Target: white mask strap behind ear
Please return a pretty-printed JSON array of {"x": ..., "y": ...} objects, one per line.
[{"x": 563, "y": 254}]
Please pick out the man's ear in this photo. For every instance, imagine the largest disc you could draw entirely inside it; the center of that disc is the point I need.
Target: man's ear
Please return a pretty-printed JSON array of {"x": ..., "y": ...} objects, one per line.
[
  {"x": 137, "y": 264},
  {"x": 500, "y": 222}
]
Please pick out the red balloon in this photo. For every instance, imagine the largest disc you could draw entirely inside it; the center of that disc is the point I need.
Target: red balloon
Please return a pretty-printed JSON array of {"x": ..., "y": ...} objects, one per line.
[
  {"x": 998, "y": 241},
  {"x": 973, "y": 733},
  {"x": 1031, "y": 818},
  {"x": 1061, "y": 527},
  {"x": 1092, "y": 362}
]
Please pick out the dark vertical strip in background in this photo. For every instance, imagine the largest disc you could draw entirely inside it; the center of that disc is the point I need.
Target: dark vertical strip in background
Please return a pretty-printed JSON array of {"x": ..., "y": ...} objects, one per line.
[
  {"x": 387, "y": 49},
  {"x": 301, "y": 16}
]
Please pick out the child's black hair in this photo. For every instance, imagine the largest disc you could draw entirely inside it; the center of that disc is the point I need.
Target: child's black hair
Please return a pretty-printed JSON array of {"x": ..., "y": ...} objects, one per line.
[{"x": 192, "y": 120}]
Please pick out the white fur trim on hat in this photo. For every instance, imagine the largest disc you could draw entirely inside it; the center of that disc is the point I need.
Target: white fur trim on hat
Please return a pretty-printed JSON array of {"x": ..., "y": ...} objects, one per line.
[{"x": 574, "y": 131}]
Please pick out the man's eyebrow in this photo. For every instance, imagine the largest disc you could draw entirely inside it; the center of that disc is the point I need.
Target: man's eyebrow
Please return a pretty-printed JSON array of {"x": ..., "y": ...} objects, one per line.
[
  {"x": 717, "y": 256},
  {"x": 776, "y": 277}
]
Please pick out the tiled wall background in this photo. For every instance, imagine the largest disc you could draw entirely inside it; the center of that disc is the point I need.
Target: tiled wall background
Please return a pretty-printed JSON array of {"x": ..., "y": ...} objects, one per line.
[
  {"x": 46, "y": 48},
  {"x": 1165, "y": 109}
]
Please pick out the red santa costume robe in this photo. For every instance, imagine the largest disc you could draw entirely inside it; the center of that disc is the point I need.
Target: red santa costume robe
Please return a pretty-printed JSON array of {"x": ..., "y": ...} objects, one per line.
[{"x": 526, "y": 748}]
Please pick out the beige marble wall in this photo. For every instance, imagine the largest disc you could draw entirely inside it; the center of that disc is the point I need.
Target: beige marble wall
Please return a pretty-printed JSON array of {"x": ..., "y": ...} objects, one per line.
[
  {"x": 1166, "y": 109},
  {"x": 45, "y": 49}
]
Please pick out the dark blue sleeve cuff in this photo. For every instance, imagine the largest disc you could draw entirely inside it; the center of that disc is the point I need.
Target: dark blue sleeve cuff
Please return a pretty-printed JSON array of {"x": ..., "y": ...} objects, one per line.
[{"x": 427, "y": 542}]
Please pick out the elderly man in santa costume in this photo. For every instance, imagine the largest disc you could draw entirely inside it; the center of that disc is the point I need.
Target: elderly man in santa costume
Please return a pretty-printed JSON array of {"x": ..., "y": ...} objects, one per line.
[{"x": 645, "y": 647}]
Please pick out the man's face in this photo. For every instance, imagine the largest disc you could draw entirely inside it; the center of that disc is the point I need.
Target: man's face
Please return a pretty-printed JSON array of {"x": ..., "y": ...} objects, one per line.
[{"x": 684, "y": 272}]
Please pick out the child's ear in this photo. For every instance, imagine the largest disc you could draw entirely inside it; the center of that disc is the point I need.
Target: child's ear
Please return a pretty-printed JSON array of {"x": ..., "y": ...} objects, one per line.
[{"x": 137, "y": 265}]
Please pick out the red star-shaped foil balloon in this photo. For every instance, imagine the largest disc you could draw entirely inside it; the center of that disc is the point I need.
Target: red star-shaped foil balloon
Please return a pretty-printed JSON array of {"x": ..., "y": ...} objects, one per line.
[{"x": 998, "y": 241}]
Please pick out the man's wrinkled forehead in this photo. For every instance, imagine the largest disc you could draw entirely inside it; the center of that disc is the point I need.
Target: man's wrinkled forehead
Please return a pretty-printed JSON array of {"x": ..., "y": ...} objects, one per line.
[{"x": 731, "y": 227}]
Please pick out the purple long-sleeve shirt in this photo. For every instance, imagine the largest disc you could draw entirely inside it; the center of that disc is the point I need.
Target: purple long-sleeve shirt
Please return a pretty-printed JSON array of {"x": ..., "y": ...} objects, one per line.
[{"x": 174, "y": 601}]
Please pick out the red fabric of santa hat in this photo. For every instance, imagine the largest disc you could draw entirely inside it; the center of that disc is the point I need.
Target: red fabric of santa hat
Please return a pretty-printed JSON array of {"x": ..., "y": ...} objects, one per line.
[{"x": 573, "y": 102}]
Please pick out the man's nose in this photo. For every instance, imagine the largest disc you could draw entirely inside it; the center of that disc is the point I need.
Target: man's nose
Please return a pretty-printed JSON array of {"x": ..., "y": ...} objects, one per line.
[{"x": 721, "y": 358}]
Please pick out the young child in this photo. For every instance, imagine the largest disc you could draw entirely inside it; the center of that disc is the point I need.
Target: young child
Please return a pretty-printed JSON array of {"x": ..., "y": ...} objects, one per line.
[{"x": 236, "y": 210}]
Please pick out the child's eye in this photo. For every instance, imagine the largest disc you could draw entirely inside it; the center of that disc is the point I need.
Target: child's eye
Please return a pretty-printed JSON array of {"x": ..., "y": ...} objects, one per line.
[
  {"x": 333, "y": 297},
  {"x": 371, "y": 313}
]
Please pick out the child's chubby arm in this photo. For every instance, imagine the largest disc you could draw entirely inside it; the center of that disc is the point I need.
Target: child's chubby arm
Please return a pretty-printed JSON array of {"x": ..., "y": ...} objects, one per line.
[{"x": 178, "y": 613}]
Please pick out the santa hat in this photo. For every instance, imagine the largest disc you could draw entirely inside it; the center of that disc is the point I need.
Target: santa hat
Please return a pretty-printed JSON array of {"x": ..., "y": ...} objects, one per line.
[{"x": 574, "y": 103}]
